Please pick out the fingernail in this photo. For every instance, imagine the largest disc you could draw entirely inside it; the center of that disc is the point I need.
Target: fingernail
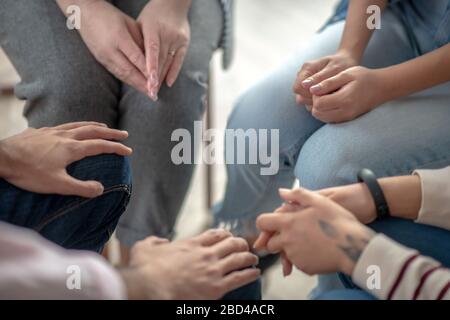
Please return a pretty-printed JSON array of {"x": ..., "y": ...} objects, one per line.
[
  {"x": 154, "y": 95},
  {"x": 283, "y": 190},
  {"x": 315, "y": 89},
  {"x": 100, "y": 189},
  {"x": 154, "y": 78},
  {"x": 306, "y": 83}
]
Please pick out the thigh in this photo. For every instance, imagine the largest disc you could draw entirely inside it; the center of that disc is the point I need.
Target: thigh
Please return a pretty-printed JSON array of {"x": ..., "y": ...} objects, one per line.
[
  {"x": 60, "y": 79},
  {"x": 152, "y": 123},
  {"x": 270, "y": 103},
  {"x": 160, "y": 183},
  {"x": 394, "y": 139},
  {"x": 181, "y": 105},
  {"x": 346, "y": 294},
  {"x": 73, "y": 222}
]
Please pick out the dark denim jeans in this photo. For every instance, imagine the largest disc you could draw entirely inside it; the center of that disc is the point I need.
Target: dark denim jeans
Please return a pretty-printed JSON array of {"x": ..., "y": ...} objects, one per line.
[
  {"x": 73, "y": 222},
  {"x": 428, "y": 240},
  {"x": 79, "y": 223}
]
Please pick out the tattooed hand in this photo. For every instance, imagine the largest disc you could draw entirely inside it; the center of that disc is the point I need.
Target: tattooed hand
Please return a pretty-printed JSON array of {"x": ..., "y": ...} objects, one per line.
[{"x": 318, "y": 237}]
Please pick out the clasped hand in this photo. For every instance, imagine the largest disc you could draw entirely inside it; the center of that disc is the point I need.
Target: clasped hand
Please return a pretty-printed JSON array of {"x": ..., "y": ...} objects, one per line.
[
  {"x": 334, "y": 89},
  {"x": 143, "y": 53}
]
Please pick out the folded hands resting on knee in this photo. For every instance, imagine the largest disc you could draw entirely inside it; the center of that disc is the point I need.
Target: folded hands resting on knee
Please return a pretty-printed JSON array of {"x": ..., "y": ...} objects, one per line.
[
  {"x": 144, "y": 53},
  {"x": 337, "y": 89}
]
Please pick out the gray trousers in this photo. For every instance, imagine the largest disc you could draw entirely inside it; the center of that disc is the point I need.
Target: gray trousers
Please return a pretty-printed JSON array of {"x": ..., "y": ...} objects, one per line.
[{"x": 62, "y": 82}]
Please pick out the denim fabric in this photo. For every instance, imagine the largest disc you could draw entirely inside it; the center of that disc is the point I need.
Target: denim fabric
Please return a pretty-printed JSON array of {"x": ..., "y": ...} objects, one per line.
[
  {"x": 393, "y": 139},
  {"x": 421, "y": 19},
  {"x": 73, "y": 222},
  {"x": 251, "y": 291},
  {"x": 346, "y": 294},
  {"x": 62, "y": 82}
]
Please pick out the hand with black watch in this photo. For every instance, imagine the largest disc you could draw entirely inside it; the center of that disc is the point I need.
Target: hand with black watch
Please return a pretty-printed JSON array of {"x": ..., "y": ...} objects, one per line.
[{"x": 373, "y": 198}]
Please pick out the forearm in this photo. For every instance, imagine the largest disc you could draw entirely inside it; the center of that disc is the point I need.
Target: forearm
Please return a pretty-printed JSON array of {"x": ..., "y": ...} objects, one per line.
[
  {"x": 4, "y": 162},
  {"x": 356, "y": 34},
  {"x": 64, "y": 4},
  {"x": 134, "y": 286},
  {"x": 180, "y": 7},
  {"x": 418, "y": 74},
  {"x": 403, "y": 195},
  {"x": 141, "y": 285}
]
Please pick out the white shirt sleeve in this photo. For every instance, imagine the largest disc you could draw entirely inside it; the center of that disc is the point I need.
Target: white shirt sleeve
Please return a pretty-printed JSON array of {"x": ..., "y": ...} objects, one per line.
[
  {"x": 435, "y": 207},
  {"x": 34, "y": 268}
]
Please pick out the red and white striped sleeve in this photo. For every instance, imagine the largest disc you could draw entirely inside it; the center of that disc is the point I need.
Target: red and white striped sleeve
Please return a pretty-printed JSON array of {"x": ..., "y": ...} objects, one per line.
[{"x": 404, "y": 274}]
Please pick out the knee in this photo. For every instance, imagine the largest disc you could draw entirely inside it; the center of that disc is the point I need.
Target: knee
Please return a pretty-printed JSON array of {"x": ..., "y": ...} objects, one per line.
[
  {"x": 75, "y": 93},
  {"x": 111, "y": 170},
  {"x": 328, "y": 159}
]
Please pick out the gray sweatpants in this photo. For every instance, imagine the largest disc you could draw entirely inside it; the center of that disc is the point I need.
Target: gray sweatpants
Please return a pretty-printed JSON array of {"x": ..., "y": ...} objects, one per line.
[{"x": 62, "y": 82}]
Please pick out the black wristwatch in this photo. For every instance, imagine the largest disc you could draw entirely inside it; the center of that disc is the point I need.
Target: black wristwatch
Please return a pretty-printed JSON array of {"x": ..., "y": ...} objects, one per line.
[{"x": 368, "y": 177}]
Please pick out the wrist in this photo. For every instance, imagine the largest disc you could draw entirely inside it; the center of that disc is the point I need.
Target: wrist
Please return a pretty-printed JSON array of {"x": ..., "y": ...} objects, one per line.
[
  {"x": 64, "y": 4},
  {"x": 370, "y": 203},
  {"x": 361, "y": 236},
  {"x": 353, "y": 55},
  {"x": 134, "y": 284},
  {"x": 386, "y": 80},
  {"x": 403, "y": 195},
  {"x": 181, "y": 7}
]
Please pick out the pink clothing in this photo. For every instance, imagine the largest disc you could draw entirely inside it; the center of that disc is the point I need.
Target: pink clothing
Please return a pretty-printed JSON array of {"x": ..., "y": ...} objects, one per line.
[{"x": 34, "y": 268}]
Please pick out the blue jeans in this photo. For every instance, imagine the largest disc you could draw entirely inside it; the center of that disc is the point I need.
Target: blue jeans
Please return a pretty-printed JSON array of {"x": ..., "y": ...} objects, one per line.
[
  {"x": 346, "y": 294},
  {"x": 393, "y": 139},
  {"x": 79, "y": 223},
  {"x": 73, "y": 222},
  {"x": 251, "y": 291}
]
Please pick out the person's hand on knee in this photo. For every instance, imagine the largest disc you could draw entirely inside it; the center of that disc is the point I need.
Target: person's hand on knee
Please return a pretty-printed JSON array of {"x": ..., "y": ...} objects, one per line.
[
  {"x": 319, "y": 237},
  {"x": 114, "y": 39},
  {"x": 204, "y": 267},
  {"x": 314, "y": 72},
  {"x": 349, "y": 94},
  {"x": 36, "y": 159}
]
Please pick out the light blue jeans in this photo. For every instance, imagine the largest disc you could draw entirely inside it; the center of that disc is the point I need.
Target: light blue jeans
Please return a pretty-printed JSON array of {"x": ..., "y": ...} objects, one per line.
[{"x": 393, "y": 139}]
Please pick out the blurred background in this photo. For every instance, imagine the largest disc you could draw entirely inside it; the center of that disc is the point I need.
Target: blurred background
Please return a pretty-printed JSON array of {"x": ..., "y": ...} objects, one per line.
[{"x": 266, "y": 31}]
